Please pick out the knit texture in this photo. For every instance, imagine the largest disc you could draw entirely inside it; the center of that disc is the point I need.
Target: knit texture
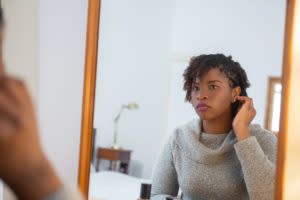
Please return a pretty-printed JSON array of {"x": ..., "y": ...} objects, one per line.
[{"x": 209, "y": 166}]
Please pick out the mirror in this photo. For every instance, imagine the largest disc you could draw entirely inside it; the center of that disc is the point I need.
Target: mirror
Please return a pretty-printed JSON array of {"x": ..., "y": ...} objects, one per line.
[{"x": 143, "y": 51}]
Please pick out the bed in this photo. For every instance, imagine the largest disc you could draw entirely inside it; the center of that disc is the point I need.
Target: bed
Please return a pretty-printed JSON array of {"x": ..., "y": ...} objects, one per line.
[{"x": 109, "y": 185}]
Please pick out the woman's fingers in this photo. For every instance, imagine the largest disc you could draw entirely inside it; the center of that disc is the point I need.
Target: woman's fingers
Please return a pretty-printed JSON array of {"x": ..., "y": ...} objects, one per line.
[
  {"x": 243, "y": 98},
  {"x": 7, "y": 106},
  {"x": 2, "y": 70},
  {"x": 13, "y": 89},
  {"x": 10, "y": 109},
  {"x": 7, "y": 128},
  {"x": 246, "y": 100}
]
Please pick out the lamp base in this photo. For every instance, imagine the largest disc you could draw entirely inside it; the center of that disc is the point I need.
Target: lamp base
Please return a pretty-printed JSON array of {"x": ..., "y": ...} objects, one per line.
[{"x": 116, "y": 147}]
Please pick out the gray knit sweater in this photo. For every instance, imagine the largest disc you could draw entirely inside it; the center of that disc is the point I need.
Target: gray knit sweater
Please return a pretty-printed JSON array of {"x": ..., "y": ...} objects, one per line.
[{"x": 208, "y": 166}]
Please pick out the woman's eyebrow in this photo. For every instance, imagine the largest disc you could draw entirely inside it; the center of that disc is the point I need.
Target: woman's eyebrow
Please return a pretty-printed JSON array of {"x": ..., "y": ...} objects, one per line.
[{"x": 213, "y": 81}]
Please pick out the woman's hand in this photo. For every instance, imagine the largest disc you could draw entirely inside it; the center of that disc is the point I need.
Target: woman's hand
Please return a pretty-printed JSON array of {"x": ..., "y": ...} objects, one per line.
[
  {"x": 23, "y": 165},
  {"x": 243, "y": 118}
]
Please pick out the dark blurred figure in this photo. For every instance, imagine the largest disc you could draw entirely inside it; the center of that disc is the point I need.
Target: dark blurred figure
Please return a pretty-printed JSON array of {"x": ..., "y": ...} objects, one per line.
[{"x": 23, "y": 164}]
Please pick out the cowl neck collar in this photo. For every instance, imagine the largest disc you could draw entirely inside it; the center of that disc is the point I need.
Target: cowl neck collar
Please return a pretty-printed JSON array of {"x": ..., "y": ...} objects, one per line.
[{"x": 188, "y": 141}]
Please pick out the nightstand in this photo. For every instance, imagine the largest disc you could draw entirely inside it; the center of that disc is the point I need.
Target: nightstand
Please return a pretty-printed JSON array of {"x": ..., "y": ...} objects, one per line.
[{"x": 114, "y": 156}]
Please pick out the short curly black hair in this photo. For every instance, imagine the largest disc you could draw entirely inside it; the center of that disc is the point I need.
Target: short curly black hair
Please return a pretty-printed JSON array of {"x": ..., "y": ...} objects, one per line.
[{"x": 200, "y": 65}]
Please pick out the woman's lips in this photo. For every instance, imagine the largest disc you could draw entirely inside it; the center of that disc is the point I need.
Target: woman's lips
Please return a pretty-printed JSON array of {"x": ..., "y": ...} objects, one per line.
[{"x": 202, "y": 107}]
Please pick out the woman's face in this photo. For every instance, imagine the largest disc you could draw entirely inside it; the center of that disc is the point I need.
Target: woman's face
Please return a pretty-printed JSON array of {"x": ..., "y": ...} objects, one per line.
[{"x": 212, "y": 95}]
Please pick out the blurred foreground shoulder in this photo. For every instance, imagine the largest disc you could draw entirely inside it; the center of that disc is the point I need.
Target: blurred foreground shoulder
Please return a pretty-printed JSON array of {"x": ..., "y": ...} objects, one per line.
[{"x": 66, "y": 193}]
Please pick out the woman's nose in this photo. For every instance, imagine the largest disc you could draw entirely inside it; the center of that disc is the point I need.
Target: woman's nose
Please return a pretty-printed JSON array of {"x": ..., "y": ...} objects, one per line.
[{"x": 201, "y": 95}]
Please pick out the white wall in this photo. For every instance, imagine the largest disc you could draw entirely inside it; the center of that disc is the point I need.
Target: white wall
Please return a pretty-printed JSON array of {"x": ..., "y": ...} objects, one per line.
[
  {"x": 62, "y": 31},
  {"x": 251, "y": 31},
  {"x": 133, "y": 49},
  {"x": 20, "y": 50}
]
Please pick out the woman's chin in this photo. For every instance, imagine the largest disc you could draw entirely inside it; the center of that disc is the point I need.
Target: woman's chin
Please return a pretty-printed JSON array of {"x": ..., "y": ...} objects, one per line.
[{"x": 205, "y": 116}]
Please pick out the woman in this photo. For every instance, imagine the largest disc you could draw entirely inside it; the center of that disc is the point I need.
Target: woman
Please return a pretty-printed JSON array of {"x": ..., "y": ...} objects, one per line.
[{"x": 221, "y": 155}]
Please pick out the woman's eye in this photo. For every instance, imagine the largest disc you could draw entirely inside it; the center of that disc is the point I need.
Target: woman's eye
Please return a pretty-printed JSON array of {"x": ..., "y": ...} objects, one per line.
[
  {"x": 213, "y": 87},
  {"x": 195, "y": 88}
]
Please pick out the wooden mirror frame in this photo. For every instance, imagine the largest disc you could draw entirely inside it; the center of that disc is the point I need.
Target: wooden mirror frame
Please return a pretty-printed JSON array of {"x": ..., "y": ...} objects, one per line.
[
  {"x": 288, "y": 163},
  {"x": 86, "y": 138},
  {"x": 90, "y": 85}
]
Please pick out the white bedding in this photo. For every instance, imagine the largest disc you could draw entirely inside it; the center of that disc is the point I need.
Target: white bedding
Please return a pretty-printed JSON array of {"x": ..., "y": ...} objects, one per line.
[{"x": 108, "y": 185}]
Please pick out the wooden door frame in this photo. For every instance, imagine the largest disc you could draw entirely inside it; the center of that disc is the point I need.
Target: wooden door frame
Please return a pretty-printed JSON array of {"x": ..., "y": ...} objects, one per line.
[{"x": 272, "y": 80}]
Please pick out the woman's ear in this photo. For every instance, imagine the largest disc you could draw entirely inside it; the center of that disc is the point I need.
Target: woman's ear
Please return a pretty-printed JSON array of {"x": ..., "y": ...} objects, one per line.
[{"x": 235, "y": 93}]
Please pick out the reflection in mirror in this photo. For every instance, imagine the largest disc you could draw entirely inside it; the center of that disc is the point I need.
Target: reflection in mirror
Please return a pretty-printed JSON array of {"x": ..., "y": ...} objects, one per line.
[{"x": 144, "y": 49}]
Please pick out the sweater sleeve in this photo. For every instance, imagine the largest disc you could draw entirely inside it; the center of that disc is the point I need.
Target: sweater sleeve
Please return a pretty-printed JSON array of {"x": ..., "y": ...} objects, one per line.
[
  {"x": 164, "y": 177},
  {"x": 258, "y": 165},
  {"x": 65, "y": 193}
]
